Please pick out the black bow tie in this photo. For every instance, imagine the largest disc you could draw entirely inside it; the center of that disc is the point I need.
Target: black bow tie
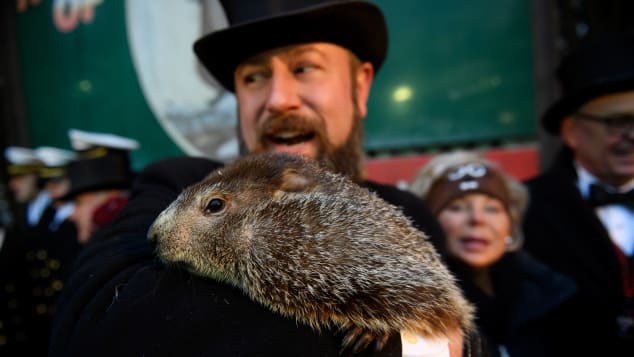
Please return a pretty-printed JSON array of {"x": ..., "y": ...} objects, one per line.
[{"x": 599, "y": 196}]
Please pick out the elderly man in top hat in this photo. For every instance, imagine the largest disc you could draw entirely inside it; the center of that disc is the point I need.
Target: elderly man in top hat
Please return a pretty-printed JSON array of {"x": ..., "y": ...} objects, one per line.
[
  {"x": 302, "y": 72},
  {"x": 581, "y": 216}
]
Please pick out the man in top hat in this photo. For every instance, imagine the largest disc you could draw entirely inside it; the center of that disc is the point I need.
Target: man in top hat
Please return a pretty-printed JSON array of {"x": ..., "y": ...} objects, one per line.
[
  {"x": 581, "y": 214},
  {"x": 100, "y": 179},
  {"x": 302, "y": 72}
]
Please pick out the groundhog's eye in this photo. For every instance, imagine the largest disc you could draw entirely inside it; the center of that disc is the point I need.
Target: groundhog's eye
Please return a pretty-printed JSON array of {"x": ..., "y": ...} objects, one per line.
[{"x": 214, "y": 205}]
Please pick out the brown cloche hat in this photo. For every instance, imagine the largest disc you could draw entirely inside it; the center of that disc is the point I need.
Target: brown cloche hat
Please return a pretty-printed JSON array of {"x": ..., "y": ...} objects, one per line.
[
  {"x": 597, "y": 67},
  {"x": 463, "y": 179},
  {"x": 260, "y": 25}
]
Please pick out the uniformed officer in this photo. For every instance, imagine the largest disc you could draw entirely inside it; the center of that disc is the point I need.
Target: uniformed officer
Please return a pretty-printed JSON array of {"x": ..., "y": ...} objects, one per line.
[
  {"x": 100, "y": 179},
  {"x": 22, "y": 168},
  {"x": 50, "y": 247}
]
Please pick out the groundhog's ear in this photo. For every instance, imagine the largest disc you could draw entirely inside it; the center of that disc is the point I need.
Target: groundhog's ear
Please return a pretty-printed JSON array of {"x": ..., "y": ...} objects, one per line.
[{"x": 293, "y": 181}]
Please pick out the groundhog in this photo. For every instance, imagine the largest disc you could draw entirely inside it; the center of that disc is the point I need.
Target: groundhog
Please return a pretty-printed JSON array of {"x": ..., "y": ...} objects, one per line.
[{"x": 312, "y": 245}]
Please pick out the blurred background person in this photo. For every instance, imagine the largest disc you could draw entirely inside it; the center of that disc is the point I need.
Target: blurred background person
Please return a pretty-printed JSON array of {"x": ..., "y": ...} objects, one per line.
[
  {"x": 22, "y": 169},
  {"x": 100, "y": 179},
  {"x": 480, "y": 209},
  {"x": 581, "y": 217},
  {"x": 49, "y": 248},
  {"x": 23, "y": 182},
  {"x": 54, "y": 176}
]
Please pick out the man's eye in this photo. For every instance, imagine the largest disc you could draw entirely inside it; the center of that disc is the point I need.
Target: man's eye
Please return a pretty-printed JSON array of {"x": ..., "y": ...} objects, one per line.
[
  {"x": 304, "y": 68},
  {"x": 620, "y": 121},
  {"x": 252, "y": 78}
]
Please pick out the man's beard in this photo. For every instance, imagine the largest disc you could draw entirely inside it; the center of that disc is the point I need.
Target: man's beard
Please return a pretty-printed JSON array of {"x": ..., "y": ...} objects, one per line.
[{"x": 346, "y": 159}]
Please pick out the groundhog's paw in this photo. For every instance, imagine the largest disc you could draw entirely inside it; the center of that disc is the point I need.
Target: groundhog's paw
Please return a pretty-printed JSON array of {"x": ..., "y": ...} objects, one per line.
[{"x": 357, "y": 339}]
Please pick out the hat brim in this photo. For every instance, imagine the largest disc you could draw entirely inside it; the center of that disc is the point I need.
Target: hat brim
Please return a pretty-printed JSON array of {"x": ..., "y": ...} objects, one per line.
[
  {"x": 555, "y": 114},
  {"x": 357, "y": 26}
]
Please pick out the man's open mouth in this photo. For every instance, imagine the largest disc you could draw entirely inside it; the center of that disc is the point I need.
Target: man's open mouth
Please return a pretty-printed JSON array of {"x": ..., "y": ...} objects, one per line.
[{"x": 290, "y": 138}]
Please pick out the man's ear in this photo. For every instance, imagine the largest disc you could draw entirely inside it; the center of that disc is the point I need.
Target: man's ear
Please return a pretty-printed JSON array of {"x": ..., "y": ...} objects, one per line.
[
  {"x": 363, "y": 78},
  {"x": 567, "y": 131}
]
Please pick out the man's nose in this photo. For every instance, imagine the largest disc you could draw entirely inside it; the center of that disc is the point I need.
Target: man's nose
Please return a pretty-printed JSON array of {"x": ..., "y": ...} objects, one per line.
[
  {"x": 628, "y": 131},
  {"x": 283, "y": 93}
]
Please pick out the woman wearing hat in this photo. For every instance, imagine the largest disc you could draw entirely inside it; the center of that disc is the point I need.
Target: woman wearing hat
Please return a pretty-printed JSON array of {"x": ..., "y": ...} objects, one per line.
[{"x": 480, "y": 209}]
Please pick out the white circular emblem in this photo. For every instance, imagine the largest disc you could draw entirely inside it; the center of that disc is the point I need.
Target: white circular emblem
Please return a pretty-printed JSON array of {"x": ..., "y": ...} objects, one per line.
[{"x": 193, "y": 109}]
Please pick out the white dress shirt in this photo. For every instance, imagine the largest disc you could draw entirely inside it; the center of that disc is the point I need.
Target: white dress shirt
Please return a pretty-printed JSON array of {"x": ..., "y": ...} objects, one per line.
[{"x": 617, "y": 219}]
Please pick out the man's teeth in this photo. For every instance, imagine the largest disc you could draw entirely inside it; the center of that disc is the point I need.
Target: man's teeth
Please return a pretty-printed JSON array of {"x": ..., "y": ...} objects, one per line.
[
  {"x": 286, "y": 135},
  {"x": 291, "y": 138}
]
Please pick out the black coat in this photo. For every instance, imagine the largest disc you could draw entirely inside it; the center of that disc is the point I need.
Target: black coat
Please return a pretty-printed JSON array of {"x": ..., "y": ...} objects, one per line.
[
  {"x": 121, "y": 302},
  {"x": 563, "y": 231},
  {"x": 525, "y": 314}
]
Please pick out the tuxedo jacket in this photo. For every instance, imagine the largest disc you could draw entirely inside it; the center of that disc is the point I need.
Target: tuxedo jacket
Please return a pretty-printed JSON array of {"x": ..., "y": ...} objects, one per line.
[
  {"x": 562, "y": 230},
  {"x": 122, "y": 302}
]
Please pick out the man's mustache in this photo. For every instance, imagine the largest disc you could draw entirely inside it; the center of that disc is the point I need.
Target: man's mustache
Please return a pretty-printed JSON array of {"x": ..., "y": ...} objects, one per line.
[
  {"x": 624, "y": 146},
  {"x": 290, "y": 127}
]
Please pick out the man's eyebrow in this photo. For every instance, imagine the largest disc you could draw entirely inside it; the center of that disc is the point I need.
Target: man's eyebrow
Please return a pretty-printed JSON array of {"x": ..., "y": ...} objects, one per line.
[
  {"x": 293, "y": 50},
  {"x": 300, "y": 50}
]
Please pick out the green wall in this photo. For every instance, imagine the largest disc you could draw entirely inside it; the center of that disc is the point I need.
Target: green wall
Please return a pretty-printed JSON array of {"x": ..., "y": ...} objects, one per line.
[
  {"x": 462, "y": 70},
  {"x": 468, "y": 65},
  {"x": 85, "y": 79}
]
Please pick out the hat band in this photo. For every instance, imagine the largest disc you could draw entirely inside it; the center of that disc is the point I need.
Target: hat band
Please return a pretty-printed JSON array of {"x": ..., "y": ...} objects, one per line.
[
  {"x": 94, "y": 153},
  {"x": 16, "y": 170},
  {"x": 52, "y": 172}
]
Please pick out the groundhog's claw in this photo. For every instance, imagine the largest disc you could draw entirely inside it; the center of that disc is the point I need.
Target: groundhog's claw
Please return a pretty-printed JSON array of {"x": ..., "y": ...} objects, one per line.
[{"x": 357, "y": 339}]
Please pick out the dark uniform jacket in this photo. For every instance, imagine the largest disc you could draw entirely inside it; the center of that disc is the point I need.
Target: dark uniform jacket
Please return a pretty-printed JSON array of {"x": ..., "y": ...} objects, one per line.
[
  {"x": 563, "y": 231},
  {"x": 122, "y": 302},
  {"x": 34, "y": 265},
  {"x": 14, "y": 292}
]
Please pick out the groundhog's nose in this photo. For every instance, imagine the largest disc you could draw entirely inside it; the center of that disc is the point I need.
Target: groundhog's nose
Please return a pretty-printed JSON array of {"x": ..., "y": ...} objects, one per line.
[
  {"x": 161, "y": 225},
  {"x": 153, "y": 234}
]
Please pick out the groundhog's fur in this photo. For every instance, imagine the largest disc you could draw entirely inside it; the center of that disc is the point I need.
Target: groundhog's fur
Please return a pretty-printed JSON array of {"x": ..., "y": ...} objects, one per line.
[{"x": 311, "y": 245}]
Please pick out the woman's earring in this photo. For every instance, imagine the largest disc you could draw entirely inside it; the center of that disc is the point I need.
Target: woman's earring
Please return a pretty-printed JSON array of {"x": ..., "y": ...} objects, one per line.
[{"x": 508, "y": 240}]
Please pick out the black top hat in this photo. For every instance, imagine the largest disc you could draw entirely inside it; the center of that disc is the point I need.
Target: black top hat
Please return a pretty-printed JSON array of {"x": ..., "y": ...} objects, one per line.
[
  {"x": 261, "y": 25},
  {"x": 596, "y": 67}
]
